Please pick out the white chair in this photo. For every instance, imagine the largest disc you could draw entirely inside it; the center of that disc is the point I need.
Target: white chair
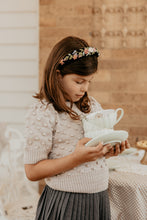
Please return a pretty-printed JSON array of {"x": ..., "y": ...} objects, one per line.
[{"x": 18, "y": 196}]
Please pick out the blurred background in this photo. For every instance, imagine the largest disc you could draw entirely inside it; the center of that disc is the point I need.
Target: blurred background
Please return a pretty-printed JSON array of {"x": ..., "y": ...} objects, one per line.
[
  {"x": 118, "y": 28},
  {"x": 30, "y": 28}
]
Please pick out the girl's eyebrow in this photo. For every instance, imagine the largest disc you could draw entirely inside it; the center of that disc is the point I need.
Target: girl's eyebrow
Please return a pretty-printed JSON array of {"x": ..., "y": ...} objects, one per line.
[{"x": 80, "y": 78}]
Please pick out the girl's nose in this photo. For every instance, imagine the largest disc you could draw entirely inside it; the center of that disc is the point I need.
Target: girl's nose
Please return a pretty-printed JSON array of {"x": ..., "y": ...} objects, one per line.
[{"x": 84, "y": 88}]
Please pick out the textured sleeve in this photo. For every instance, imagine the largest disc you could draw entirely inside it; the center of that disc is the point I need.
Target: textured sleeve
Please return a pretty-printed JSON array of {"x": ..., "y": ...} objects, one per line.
[
  {"x": 95, "y": 106},
  {"x": 39, "y": 127}
]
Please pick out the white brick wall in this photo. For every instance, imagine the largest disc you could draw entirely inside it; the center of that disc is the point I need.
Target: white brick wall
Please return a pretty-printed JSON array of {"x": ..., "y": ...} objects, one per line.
[{"x": 19, "y": 52}]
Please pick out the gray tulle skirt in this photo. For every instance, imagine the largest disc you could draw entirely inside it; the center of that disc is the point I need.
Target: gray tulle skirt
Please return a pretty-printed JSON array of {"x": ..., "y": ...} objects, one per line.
[{"x": 60, "y": 205}]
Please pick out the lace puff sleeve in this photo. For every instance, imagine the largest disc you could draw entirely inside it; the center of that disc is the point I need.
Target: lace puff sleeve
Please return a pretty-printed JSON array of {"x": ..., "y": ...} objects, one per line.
[{"x": 39, "y": 127}]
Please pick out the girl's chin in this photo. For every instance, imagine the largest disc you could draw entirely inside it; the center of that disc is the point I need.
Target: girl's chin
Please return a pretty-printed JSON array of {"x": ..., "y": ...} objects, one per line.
[{"x": 77, "y": 98}]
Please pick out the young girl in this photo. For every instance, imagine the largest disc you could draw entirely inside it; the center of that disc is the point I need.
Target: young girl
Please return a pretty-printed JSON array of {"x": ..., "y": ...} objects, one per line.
[{"x": 76, "y": 176}]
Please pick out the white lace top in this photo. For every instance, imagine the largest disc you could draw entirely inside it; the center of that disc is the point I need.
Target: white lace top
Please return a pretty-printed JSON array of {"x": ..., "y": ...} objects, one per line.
[{"x": 50, "y": 134}]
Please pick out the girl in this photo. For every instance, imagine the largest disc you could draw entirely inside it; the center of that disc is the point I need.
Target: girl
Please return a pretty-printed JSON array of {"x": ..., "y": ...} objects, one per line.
[{"x": 76, "y": 176}]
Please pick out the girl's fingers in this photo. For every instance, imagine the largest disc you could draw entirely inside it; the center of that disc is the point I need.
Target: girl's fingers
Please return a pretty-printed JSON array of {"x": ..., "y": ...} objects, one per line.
[
  {"x": 99, "y": 151},
  {"x": 96, "y": 149},
  {"x": 107, "y": 148},
  {"x": 127, "y": 144},
  {"x": 116, "y": 149},
  {"x": 100, "y": 146},
  {"x": 122, "y": 147}
]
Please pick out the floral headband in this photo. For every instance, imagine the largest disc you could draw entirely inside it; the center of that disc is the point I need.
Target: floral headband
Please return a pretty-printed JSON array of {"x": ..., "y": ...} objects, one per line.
[{"x": 86, "y": 51}]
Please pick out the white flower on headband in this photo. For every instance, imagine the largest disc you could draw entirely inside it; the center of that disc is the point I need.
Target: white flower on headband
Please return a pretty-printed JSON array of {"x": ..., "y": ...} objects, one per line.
[
  {"x": 74, "y": 52},
  {"x": 91, "y": 49},
  {"x": 87, "y": 51}
]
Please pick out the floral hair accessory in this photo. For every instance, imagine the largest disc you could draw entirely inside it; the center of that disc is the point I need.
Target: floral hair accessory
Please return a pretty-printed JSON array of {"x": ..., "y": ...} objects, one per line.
[{"x": 76, "y": 54}]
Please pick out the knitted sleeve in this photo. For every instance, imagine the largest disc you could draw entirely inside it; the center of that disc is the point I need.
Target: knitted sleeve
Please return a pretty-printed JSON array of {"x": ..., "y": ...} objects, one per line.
[
  {"x": 39, "y": 127},
  {"x": 95, "y": 106}
]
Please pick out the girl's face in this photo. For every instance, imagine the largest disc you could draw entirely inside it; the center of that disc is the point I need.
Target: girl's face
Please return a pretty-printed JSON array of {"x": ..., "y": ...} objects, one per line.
[{"x": 75, "y": 85}]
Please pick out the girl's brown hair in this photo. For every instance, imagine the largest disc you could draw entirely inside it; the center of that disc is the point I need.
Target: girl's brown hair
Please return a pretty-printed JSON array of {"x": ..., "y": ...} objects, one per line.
[{"x": 51, "y": 89}]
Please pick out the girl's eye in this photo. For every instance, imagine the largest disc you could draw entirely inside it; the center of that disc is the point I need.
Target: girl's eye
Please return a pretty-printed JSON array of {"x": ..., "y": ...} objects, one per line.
[{"x": 79, "y": 82}]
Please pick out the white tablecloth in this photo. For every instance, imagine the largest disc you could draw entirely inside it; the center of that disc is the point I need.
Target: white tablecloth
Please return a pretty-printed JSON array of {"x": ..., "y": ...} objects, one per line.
[
  {"x": 128, "y": 162},
  {"x": 128, "y": 187}
]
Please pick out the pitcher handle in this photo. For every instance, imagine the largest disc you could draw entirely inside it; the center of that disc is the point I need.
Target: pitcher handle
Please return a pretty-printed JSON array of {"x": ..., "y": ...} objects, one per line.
[{"x": 121, "y": 115}]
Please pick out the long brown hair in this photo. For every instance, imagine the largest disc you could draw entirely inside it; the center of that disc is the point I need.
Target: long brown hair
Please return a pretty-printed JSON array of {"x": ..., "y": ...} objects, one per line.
[{"x": 51, "y": 89}]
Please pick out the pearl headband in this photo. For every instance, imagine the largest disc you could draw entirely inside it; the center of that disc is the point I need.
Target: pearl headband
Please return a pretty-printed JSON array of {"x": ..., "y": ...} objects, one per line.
[{"x": 86, "y": 51}]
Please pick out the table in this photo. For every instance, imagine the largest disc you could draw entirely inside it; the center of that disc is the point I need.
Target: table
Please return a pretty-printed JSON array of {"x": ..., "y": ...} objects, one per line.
[
  {"x": 128, "y": 196},
  {"x": 128, "y": 190}
]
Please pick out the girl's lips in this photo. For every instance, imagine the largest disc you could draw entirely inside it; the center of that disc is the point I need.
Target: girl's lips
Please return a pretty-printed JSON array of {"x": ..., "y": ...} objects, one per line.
[{"x": 79, "y": 95}]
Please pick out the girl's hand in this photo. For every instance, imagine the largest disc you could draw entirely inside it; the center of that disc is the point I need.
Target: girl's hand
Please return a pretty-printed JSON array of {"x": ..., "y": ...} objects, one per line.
[
  {"x": 84, "y": 154},
  {"x": 118, "y": 149}
]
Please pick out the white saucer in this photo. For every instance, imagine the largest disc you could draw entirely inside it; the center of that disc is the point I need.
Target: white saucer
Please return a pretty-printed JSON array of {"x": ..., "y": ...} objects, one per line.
[
  {"x": 113, "y": 137},
  {"x": 114, "y": 142}
]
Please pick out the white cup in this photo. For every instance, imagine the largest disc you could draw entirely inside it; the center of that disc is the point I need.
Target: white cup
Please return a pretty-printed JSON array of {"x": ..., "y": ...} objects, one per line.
[
  {"x": 101, "y": 121},
  {"x": 111, "y": 118}
]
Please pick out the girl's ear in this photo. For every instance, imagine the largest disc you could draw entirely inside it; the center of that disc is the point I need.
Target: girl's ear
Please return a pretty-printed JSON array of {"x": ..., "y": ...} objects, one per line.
[
  {"x": 59, "y": 74},
  {"x": 58, "y": 71}
]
